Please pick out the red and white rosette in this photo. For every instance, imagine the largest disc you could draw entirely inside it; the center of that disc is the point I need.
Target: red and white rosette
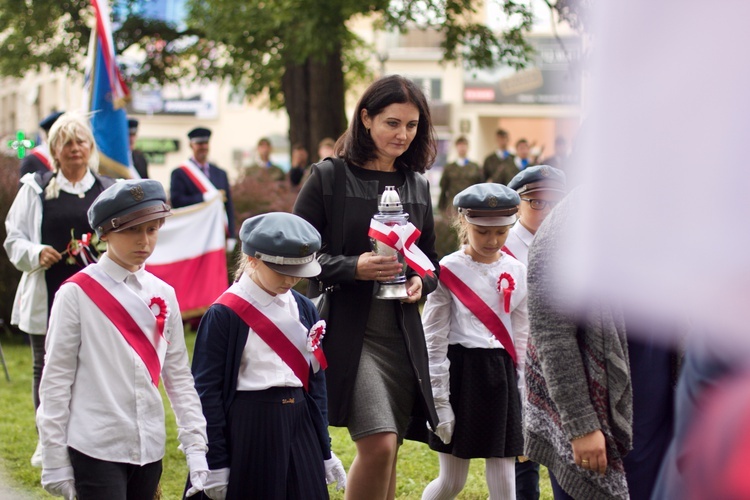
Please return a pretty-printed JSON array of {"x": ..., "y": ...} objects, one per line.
[
  {"x": 402, "y": 239},
  {"x": 505, "y": 286},
  {"x": 314, "y": 339},
  {"x": 159, "y": 307}
]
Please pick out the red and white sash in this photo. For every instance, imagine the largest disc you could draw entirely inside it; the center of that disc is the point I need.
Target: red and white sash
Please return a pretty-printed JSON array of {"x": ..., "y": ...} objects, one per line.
[
  {"x": 283, "y": 333},
  {"x": 203, "y": 184},
  {"x": 469, "y": 288},
  {"x": 402, "y": 239},
  {"x": 198, "y": 178},
  {"x": 507, "y": 250},
  {"x": 43, "y": 155},
  {"x": 141, "y": 327}
]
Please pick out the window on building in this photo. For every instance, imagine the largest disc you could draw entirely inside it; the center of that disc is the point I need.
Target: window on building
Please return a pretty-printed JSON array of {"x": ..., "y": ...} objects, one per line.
[{"x": 432, "y": 87}]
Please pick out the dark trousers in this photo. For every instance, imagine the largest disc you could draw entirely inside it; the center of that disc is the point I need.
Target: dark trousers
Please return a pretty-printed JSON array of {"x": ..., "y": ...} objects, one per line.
[
  {"x": 98, "y": 479},
  {"x": 37, "y": 352},
  {"x": 527, "y": 480},
  {"x": 557, "y": 491}
]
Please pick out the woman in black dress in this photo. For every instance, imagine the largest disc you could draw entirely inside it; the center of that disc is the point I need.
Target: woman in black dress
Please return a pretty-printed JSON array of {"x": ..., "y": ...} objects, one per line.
[{"x": 378, "y": 375}]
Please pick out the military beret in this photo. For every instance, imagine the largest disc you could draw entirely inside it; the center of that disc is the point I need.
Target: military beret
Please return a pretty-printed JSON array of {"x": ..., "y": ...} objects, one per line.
[
  {"x": 50, "y": 120},
  {"x": 488, "y": 204},
  {"x": 284, "y": 242},
  {"x": 537, "y": 178},
  {"x": 128, "y": 203},
  {"x": 199, "y": 134},
  {"x": 132, "y": 126}
]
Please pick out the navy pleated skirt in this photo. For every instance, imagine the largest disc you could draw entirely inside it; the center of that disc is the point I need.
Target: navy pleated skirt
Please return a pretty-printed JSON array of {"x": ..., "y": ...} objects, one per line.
[
  {"x": 487, "y": 405},
  {"x": 274, "y": 449}
]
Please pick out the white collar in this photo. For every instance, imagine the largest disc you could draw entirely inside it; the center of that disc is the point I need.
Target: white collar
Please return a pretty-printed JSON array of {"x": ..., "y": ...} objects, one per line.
[
  {"x": 261, "y": 296},
  {"x": 523, "y": 234},
  {"x": 117, "y": 272},
  {"x": 79, "y": 187}
]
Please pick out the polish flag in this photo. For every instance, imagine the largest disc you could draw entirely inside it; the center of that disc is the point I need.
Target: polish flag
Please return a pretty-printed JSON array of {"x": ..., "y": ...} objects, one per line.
[{"x": 190, "y": 256}]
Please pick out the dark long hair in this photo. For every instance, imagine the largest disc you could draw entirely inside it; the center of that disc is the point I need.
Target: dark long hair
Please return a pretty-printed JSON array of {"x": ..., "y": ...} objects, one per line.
[{"x": 357, "y": 147}]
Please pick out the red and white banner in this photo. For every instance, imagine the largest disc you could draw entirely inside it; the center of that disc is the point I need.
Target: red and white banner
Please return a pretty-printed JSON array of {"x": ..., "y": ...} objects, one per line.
[{"x": 191, "y": 255}]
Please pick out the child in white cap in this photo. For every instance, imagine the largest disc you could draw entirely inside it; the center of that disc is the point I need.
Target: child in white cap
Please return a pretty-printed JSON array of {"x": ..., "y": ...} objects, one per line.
[
  {"x": 476, "y": 326},
  {"x": 259, "y": 371},
  {"x": 115, "y": 331}
]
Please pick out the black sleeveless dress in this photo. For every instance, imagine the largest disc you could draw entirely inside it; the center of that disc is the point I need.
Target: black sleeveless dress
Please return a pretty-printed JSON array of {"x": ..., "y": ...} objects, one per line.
[{"x": 59, "y": 216}]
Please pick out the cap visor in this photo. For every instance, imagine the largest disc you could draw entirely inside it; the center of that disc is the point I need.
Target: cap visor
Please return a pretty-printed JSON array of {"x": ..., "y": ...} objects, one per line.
[
  {"x": 543, "y": 188},
  {"x": 141, "y": 220},
  {"x": 309, "y": 270},
  {"x": 199, "y": 140},
  {"x": 492, "y": 221}
]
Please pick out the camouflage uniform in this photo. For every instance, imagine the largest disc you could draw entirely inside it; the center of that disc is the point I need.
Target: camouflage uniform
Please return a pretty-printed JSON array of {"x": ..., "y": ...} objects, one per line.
[
  {"x": 455, "y": 179},
  {"x": 499, "y": 170}
]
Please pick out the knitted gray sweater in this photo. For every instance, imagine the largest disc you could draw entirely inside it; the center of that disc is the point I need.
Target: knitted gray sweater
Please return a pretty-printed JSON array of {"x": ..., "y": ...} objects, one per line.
[{"x": 577, "y": 373}]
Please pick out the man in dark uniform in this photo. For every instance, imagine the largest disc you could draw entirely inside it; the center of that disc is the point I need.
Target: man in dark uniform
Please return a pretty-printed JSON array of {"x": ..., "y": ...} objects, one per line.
[
  {"x": 138, "y": 158},
  {"x": 39, "y": 159},
  {"x": 197, "y": 180},
  {"x": 458, "y": 175},
  {"x": 500, "y": 165}
]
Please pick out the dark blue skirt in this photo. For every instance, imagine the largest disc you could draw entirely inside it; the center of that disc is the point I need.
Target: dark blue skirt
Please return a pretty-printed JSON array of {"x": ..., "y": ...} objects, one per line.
[{"x": 273, "y": 447}]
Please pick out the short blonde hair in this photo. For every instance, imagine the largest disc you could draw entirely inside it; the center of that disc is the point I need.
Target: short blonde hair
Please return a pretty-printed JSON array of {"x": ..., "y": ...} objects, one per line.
[{"x": 71, "y": 125}]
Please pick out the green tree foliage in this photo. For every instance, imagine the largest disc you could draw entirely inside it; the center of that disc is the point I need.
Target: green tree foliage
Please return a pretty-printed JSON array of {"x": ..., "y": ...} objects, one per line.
[{"x": 295, "y": 54}]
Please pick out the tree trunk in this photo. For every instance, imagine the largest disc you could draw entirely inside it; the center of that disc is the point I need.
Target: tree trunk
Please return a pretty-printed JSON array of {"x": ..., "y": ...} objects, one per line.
[{"x": 314, "y": 100}]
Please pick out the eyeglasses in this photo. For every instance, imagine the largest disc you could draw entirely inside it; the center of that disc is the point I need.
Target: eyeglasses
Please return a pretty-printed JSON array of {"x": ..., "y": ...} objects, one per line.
[{"x": 541, "y": 204}]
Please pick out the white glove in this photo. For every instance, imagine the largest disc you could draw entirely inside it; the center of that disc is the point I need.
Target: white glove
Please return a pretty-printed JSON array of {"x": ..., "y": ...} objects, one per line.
[
  {"x": 335, "y": 472},
  {"x": 59, "y": 482},
  {"x": 231, "y": 243},
  {"x": 215, "y": 486},
  {"x": 198, "y": 471},
  {"x": 446, "y": 421}
]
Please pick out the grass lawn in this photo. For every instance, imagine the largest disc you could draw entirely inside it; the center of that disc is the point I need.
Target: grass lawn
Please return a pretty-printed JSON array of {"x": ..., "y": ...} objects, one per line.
[{"x": 416, "y": 468}]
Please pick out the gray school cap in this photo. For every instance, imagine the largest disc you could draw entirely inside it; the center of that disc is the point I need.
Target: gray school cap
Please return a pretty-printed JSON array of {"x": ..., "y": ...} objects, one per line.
[
  {"x": 488, "y": 204},
  {"x": 538, "y": 178},
  {"x": 128, "y": 203},
  {"x": 284, "y": 242}
]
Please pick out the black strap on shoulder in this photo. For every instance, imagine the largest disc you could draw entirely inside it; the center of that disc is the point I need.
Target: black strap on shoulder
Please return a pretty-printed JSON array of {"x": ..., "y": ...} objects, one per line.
[{"x": 42, "y": 178}]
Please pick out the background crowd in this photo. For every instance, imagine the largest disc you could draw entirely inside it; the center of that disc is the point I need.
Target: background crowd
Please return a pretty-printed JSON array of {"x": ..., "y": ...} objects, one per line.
[{"x": 592, "y": 396}]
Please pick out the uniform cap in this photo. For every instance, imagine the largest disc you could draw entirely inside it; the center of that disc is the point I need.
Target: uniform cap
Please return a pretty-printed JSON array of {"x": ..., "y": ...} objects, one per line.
[
  {"x": 199, "y": 135},
  {"x": 132, "y": 126},
  {"x": 128, "y": 203},
  {"x": 284, "y": 242},
  {"x": 538, "y": 178},
  {"x": 50, "y": 120},
  {"x": 488, "y": 204}
]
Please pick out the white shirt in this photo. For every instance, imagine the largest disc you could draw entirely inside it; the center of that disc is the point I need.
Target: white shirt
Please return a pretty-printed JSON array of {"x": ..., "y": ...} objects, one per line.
[
  {"x": 447, "y": 320},
  {"x": 23, "y": 226},
  {"x": 261, "y": 368},
  {"x": 96, "y": 393},
  {"x": 518, "y": 242}
]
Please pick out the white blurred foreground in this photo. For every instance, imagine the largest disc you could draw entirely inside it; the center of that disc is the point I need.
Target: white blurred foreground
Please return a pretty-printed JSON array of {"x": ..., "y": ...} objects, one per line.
[{"x": 664, "y": 152}]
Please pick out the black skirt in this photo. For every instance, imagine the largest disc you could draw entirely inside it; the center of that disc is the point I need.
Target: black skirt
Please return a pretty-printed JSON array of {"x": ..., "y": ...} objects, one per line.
[
  {"x": 274, "y": 449},
  {"x": 487, "y": 405}
]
